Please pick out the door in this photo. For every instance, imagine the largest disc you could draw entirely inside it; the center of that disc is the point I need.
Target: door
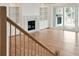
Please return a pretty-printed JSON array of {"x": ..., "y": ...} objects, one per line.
[
  {"x": 69, "y": 18},
  {"x": 59, "y": 17}
]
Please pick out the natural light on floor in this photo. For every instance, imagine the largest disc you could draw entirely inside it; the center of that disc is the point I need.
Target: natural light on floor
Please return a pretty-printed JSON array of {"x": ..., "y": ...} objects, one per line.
[{"x": 69, "y": 37}]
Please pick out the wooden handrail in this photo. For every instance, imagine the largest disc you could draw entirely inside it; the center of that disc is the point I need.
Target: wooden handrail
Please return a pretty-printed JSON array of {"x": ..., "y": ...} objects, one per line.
[{"x": 26, "y": 33}]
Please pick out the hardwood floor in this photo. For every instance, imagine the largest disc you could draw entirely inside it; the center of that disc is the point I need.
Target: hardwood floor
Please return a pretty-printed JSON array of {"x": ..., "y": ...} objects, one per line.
[{"x": 65, "y": 42}]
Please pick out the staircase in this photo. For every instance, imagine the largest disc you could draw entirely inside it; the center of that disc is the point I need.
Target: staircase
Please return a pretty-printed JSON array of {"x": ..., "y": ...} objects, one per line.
[{"x": 20, "y": 42}]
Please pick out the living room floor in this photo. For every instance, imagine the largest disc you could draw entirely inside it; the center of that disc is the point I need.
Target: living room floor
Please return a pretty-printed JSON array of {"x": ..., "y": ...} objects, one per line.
[{"x": 65, "y": 42}]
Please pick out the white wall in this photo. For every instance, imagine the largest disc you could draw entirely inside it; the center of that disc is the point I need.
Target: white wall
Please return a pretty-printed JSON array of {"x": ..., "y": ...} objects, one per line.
[
  {"x": 30, "y": 9},
  {"x": 43, "y": 24}
]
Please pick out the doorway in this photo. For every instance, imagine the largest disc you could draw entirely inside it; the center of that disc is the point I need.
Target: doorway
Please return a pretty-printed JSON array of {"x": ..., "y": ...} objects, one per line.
[{"x": 58, "y": 17}]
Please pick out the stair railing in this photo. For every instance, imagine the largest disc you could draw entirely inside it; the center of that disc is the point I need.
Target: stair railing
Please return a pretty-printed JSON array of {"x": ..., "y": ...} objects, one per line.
[{"x": 22, "y": 43}]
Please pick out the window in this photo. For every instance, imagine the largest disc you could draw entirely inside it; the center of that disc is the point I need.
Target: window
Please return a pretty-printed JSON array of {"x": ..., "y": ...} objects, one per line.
[
  {"x": 14, "y": 14},
  {"x": 43, "y": 13}
]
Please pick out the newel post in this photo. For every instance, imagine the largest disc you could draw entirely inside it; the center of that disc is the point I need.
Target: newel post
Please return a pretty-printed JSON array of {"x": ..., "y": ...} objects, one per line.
[{"x": 2, "y": 31}]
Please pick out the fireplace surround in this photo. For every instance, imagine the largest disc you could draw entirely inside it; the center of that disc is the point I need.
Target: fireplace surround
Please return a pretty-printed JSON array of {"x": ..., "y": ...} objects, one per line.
[{"x": 31, "y": 23}]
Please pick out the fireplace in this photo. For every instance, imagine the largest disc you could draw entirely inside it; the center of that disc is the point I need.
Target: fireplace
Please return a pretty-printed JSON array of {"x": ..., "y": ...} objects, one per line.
[{"x": 31, "y": 25}]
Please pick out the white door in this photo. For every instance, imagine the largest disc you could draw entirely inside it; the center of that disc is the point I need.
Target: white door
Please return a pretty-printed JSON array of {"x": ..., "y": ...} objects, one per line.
[
  {"x": 59, "y": 17},
  {"x": 69, "y": 18}
]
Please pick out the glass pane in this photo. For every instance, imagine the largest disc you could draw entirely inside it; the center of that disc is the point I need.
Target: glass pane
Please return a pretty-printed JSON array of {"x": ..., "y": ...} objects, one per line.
[{"x": 69, "y": 17}]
